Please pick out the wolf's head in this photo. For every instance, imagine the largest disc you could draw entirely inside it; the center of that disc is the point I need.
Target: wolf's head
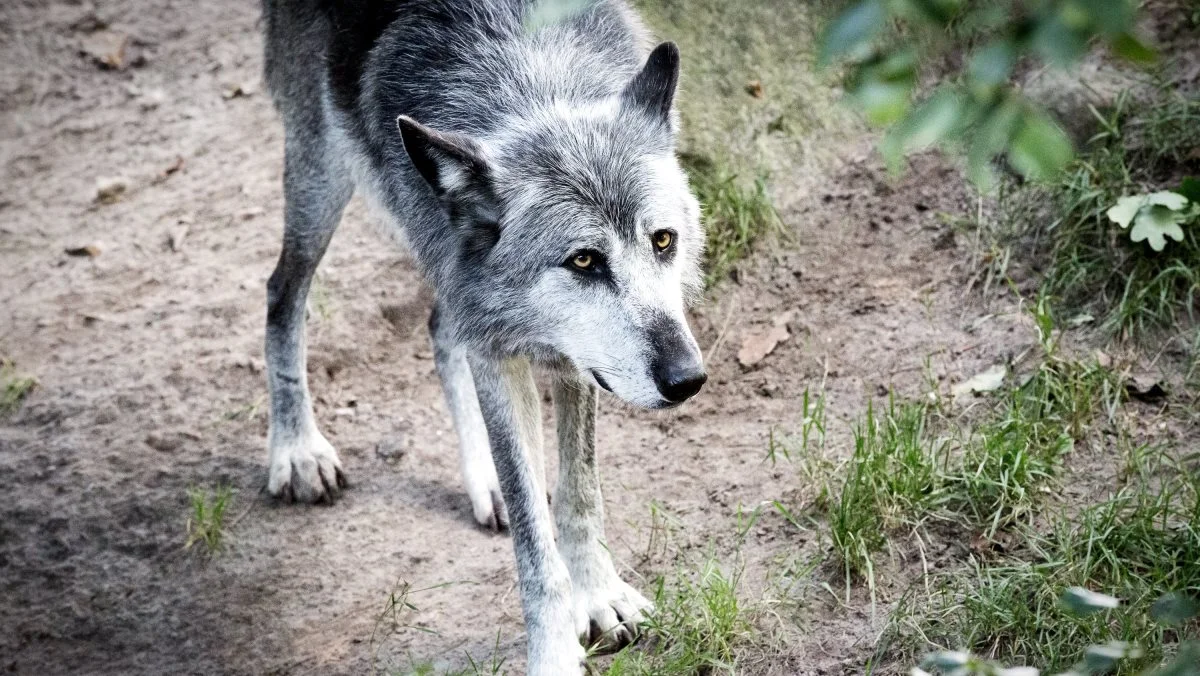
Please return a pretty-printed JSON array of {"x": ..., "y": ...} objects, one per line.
[{"x": 577, "y": 236}]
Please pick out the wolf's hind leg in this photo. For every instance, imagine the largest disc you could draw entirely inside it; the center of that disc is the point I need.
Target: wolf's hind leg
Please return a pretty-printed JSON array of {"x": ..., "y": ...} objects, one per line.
[
  {"x": 474, "y": 450},
  {"x": 303, "y": 465}
]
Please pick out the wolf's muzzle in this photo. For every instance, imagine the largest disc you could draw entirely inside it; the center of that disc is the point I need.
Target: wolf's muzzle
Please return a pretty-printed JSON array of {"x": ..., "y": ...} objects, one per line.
[{"x": 677, "y": 368}]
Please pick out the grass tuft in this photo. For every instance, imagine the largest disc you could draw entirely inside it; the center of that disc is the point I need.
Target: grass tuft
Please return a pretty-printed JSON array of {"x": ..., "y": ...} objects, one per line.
[
  {"x": 696, "y": 628},
  {"x": 735, "y": 216},
  {"x": 206, "y": 522},
  {"x": 13, "y": 387},
  {"x": 983, "y": 473},
  {"x": 1018, "y": 450},
  {"x": 892, "y": 478},
  {"x": 1137, "y": 544}
]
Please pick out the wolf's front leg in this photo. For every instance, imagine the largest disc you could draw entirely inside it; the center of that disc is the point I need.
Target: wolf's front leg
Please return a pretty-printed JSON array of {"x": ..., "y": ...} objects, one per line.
[
  {"x": 303, "y": 464},
  {"x": 607, "y": 609},
  {"x": 508, "y": 400}
]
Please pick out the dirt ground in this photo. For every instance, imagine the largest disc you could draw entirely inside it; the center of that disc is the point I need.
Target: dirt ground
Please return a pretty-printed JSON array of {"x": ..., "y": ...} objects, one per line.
[{"x": 148, "y": 358}]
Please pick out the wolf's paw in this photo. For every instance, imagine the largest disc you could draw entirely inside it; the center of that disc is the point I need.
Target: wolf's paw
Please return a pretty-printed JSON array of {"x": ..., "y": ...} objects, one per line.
[
  {"x": 488, "y": 506},
  {"x": 305, "y": 469},
  {"x": 608, "y": 613}
]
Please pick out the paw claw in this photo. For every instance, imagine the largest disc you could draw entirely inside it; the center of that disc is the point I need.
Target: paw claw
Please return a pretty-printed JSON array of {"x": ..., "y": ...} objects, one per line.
[
  {"x": 613, "y": 611},
  {"x": 492, "y": 514},
  {"x": 499, "y": 511},
  {"x": 305, "y": 469},
  {"x": 330, "y": 494}
]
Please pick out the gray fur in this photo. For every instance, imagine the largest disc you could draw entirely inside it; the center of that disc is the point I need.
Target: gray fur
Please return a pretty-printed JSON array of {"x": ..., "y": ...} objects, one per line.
[{"x": 504, "y": 157}]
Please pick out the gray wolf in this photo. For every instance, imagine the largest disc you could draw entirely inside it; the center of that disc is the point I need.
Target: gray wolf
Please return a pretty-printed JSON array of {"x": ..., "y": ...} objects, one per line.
[{"x": 530, "y": 167}]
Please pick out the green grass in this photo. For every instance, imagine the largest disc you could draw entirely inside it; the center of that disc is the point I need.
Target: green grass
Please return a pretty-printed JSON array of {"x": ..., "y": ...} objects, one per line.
[
  {"x": 396, "y": 616},
  {"x": 893, "y": 479},
  {"x": 1017, "y": 450},
  {"x": 1137, "y": 544},
  {"x": 911, "y": 464},
  {"x": 13, "y": 387},
  {"x": 206, "y": 520},
  {"x": 698, "y": 626},
  {"x": 735, "y": 215},
  {"x": 984, "y": 471},
  {"x": 1091, "y": 264}
]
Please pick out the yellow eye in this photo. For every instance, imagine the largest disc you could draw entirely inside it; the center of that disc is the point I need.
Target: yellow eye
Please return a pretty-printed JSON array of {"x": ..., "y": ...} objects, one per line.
[
  {"x": 663, "y": 240},
  {"x": 583, "y": 261}
]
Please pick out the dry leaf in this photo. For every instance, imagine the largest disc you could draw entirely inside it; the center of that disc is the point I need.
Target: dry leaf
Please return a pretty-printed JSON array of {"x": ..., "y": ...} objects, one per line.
[
  {"x": 106, "y": 48},
  {"x": 756, "y": 346},
  {"x": 755, "y": 88}
]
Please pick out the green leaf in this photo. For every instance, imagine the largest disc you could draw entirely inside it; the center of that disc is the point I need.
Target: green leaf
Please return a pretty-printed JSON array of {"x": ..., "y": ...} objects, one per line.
[
  {"x": 1040, "y": 148},
  {"x": 1075, "y": 15},
  {"x": 883, "y": 89},
  {"x": 933, "y": 11},
  {"x": 1154, "y": 223},
  {"x": 990, "y": 67},
  {"x": 1125, "y": 210},
  {"x": 1059, "y": 43},
  {"x": 898, "y": 65},
  {"x": 946, "y": 660},
  {"x": 1171, "y": 200},
  {"x": 930, "y": 123},
  {"x": 1128, "y": 47},
  {"x": 1190, "y": 188},
  {"x": 852, "y": 30},
  {"x": 991, "y": 138},
  {"x": 1102, "y": 658},
  {"x": 1085, "y": 602},
  {"x": 1110, "y": 16},
  {"x": 883, "y": 102},
  {"x": 1174, "y": 609}
]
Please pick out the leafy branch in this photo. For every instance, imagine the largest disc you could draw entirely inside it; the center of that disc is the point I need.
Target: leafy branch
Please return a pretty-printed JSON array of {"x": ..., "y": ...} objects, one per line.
[{"x": 976, "y": 110}]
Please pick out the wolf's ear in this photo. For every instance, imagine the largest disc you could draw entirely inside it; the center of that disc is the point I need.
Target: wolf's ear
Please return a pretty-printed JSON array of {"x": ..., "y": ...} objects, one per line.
[
  {"x": 653, "y": 89},
  {"x": 448, "y": 162}
]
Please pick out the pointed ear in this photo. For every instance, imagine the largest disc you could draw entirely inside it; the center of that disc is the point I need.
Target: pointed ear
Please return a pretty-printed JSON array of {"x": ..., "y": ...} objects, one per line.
[
  {"x": 448, "y": 162},
  {"x": 653, "y": 89}
]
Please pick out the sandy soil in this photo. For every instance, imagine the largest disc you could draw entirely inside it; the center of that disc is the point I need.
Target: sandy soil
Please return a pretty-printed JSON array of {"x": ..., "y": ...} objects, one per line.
[{"x": 148, "y": 357}]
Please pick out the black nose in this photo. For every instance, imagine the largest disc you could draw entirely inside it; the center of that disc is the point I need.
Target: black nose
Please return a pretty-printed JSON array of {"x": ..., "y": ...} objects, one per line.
[{"x": 678, "y": 382}]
